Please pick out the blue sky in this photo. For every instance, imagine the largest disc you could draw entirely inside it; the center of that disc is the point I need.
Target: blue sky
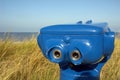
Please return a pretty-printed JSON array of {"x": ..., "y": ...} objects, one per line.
[{"x": 31, "y": 15}]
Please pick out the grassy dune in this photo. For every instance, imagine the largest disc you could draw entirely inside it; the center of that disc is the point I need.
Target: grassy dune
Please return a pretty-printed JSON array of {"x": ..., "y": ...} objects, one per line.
[{"x": 24, "y": 61}]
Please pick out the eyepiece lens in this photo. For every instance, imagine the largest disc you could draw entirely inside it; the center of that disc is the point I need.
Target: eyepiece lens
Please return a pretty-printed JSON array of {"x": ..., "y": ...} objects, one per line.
[
  {"x": 57, "y": 54},
  {"x": 76, "y": 55}
]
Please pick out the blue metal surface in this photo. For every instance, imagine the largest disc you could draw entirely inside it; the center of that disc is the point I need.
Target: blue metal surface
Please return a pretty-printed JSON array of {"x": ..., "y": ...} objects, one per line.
[{"x": 81, "y": 50}]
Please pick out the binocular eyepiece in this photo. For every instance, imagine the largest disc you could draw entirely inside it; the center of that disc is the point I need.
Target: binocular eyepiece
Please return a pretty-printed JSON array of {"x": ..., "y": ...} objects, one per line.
[
  {"x": 75, "y": 55},
  {"x": 57, "y": 54}
]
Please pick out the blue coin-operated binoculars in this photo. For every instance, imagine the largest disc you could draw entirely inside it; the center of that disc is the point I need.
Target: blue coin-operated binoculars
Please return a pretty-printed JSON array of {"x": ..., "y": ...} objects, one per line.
[{"x": 81, "y": 50}]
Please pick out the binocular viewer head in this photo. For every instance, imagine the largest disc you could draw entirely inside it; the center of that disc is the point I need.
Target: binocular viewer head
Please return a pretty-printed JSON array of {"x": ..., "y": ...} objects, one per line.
[{"x": 76, "y": 43}]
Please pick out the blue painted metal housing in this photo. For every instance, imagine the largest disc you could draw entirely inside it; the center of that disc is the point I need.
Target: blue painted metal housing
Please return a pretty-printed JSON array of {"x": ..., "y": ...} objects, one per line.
[{"x": 81, "y": 50}]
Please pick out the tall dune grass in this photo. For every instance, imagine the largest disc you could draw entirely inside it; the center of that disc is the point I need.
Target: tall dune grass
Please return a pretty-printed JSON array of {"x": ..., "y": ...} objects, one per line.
[
  {"x": 24, "y": 61},
  {"x": 111, "y": 70}
]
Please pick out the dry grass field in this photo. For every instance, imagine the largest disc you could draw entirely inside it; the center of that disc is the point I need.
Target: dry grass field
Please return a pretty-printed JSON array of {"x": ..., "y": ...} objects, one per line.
[{"x": 24, "y": 61}]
